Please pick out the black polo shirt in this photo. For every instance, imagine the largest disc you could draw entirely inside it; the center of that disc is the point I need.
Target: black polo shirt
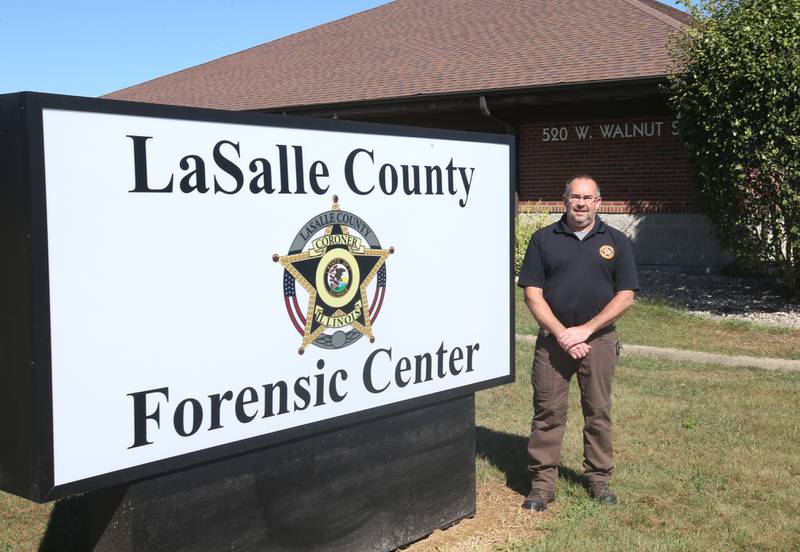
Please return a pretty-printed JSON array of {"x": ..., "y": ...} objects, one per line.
[{"x": 579, "y": 277}]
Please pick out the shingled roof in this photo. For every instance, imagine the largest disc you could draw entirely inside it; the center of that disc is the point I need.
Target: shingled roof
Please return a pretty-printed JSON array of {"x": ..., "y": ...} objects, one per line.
[{"x": 413, "y": 48}]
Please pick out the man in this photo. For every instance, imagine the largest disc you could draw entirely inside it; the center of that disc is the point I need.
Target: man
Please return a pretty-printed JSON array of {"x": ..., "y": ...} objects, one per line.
[{"x": 579, "y": 277}]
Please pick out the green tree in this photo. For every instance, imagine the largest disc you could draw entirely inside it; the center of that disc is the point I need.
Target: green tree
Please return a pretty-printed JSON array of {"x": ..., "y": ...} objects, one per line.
[{"x": 736, "y": 94}]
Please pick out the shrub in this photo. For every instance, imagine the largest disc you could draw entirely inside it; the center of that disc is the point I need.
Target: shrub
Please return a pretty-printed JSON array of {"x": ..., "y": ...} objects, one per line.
[
  {"x": 737, "y": 100},
  {"x": 530, "y": 218}
]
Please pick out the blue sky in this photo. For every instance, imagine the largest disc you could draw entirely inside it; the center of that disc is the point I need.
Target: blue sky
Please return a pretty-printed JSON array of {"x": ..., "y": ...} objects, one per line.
[{"x": 89, "y": 47}]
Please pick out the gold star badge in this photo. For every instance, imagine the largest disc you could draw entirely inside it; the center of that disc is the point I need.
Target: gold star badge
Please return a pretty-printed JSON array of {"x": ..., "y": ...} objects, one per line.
[{"x": 335, "y": 271}]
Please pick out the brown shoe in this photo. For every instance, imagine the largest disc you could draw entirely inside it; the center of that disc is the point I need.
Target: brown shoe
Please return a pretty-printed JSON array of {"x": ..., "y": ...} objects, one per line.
[
  {"x": 600, "y": 492},
  {"x": 537, "y": 500}
]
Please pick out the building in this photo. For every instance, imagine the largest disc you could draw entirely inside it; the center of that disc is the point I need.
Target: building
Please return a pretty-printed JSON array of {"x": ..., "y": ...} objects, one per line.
[{"x": 578, "y": 82}]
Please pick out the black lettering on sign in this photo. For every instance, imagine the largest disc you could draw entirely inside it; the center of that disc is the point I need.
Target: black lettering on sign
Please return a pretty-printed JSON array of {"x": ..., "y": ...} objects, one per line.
[
  {"x": 140, "y": 166},
  {"x": 378, "y": 374},
  {"x": 227, "y": 174},
  {"x": 140, "y": 415}
]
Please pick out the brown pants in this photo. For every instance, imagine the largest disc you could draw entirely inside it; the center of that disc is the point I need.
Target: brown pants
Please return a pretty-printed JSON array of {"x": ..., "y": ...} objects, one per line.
[{"x": 552, "y": 372}]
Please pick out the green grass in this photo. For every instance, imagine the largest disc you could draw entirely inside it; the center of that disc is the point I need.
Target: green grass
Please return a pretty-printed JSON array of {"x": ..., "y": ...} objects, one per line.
[
  {"x": 57, "y": 527},
  {"x": 706, "y": 459},
  {"x": 22, "y": 523},
  {"x": 660, "y": 325}
]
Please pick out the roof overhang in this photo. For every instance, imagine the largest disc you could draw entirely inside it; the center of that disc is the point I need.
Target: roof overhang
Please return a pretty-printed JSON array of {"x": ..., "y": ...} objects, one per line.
[{"x": 562, "y": 93}]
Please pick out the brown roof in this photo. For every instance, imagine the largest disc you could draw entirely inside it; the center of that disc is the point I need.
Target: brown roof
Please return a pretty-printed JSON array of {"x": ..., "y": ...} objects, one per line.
[{"x": 412, "y": 48}]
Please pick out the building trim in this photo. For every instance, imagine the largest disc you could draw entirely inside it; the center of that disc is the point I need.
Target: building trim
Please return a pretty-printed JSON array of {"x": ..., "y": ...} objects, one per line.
[
  {"x": 615, "y": 207},
  {"x": 502, "y": 97}
]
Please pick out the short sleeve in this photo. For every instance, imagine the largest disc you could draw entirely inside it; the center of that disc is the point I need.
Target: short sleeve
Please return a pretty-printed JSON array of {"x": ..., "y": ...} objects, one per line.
[
  {"x": 625, "y": 276},
  {"x": 532, "y": 271}
]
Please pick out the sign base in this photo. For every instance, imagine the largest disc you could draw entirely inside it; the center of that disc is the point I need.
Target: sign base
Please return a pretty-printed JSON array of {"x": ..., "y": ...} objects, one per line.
[{"x": 377, "y": 485}]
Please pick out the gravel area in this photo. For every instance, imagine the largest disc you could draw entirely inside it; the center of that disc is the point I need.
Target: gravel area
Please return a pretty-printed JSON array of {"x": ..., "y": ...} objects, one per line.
[{"x": 722, "y": 296}]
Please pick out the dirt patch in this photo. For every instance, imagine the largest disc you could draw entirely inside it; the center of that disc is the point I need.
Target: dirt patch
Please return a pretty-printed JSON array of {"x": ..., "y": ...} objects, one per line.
[{"x": 499, "y": 520}]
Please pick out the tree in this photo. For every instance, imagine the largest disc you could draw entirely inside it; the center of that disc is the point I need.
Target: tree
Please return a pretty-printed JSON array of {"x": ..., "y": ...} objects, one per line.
[{"x": 736, "y": 94}]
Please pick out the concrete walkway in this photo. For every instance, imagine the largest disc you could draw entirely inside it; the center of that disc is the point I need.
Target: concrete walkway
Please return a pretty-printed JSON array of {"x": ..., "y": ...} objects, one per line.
[{"x": 779, "y": 364}]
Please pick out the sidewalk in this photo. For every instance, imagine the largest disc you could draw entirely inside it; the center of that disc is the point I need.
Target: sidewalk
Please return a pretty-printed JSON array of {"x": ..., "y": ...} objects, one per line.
[{"x": 778, "y": 364}]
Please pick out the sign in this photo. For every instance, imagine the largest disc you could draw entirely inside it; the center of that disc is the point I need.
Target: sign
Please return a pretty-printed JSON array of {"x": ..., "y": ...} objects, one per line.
[
  {"x": 608, "y": 130},
  {"x": 207, "y": 282}
]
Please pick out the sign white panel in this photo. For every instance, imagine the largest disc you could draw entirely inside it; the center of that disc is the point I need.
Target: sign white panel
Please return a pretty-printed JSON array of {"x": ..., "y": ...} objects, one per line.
[{"x": 190, "y": 262}]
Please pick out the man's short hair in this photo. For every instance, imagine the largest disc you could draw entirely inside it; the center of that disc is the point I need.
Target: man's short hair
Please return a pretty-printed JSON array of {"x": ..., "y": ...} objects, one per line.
[{"x": 580, "y": 177}]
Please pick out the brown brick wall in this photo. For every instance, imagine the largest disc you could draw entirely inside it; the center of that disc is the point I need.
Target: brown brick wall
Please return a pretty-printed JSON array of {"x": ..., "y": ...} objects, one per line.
[{"x": 643, "y": 169}]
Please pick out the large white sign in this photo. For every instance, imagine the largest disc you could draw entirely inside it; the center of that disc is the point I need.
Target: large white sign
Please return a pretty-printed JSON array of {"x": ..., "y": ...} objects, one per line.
[{"x": 213, "y": 282}]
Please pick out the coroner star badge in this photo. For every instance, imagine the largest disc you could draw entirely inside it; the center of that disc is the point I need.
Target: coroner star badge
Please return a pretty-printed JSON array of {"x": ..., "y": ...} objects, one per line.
[{"x": 335, "y": 256}]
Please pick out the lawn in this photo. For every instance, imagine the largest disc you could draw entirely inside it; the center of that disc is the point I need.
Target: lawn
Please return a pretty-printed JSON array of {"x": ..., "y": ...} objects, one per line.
[
  {"x": 706, "y": 459},
  {"x": 660, "y": 325},
  {"x": 53, "y": 527}
]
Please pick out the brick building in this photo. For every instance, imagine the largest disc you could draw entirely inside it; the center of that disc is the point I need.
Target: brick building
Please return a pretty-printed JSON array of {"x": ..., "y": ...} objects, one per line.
[{"x": 578, "y": 82}]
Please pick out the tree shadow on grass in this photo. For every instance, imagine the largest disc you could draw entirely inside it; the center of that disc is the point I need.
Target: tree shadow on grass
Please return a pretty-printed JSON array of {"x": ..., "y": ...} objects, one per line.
[
  {"x": 509, "y": 454},
  {"x": 67, "y": 530}
]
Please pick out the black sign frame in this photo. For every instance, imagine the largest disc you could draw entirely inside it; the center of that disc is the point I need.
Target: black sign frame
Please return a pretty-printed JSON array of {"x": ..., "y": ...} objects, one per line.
[{"x": 26, "y": 429}]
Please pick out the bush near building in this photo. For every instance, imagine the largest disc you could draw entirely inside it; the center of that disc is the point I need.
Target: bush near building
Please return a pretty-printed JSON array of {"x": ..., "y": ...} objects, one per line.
[
  {"x": 530, "y": 218},
  {"x": 737, "y": 98}
]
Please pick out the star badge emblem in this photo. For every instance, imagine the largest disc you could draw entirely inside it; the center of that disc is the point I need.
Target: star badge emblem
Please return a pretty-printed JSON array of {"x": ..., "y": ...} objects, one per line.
[{"x": 335, "y": 270}]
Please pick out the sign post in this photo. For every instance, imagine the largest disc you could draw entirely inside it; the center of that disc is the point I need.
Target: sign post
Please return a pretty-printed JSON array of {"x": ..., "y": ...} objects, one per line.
[{"x": 210, "y": 313}]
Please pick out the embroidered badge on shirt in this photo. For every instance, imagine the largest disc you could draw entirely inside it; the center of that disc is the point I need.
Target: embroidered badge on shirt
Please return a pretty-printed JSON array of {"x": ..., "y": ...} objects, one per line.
[{"x": 607, "y": 252}]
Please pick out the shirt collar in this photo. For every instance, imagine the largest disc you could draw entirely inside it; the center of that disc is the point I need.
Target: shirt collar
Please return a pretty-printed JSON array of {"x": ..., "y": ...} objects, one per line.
[{"x": 562, "y": 227}]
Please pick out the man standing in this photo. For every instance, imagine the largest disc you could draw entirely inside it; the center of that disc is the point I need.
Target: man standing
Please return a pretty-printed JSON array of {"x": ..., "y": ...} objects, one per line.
[{"x": 579, "y": 277}]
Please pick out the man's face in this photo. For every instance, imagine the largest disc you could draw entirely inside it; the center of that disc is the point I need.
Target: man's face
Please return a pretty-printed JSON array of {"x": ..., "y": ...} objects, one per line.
[{"x": 581, "y": 203}]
